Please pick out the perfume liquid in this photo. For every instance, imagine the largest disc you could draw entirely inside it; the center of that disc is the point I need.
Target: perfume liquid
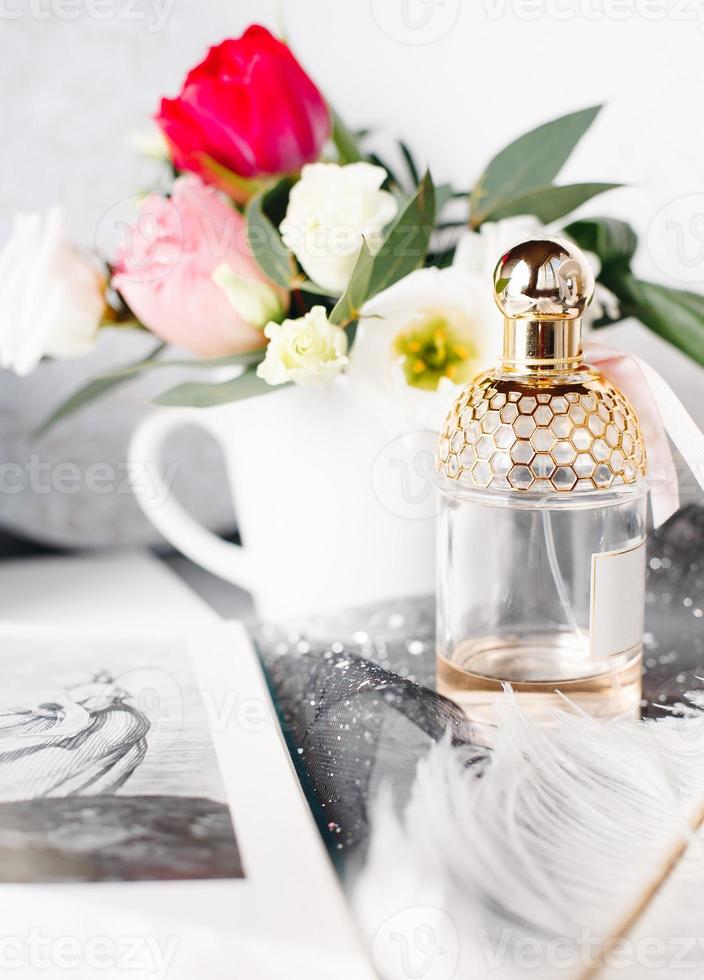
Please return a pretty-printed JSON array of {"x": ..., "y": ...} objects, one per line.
[
  {"x": 541, "y": 539},
  {"x": 469, "y": 680}
]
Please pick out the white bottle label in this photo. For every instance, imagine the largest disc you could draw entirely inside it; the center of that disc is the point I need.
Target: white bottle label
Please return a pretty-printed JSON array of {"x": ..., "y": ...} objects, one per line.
[{"x": 617, "y": 601}]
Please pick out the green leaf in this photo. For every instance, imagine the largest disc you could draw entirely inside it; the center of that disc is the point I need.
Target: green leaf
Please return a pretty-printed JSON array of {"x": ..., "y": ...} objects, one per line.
[
  {"x": 674, "y": 314},
  {"x": 443, "y": 259},
  {"x": 392, "y": 182},
  {"x": 111, "y": 379},
  {"x": 202, "y": 395},
  {"x": 276, "y": 199},
  {"x": 246, "y": 359},
  {"x": 306, "y": 286},
  {"x": 269, "y": 252},
  {"x": 351, "y": 331},
  {"x": 550, "y": 203},
  {"x": 95, "y": 388},
  {"x": 531, "y": 161},
  {"x": 407, "y": 241},
  {"x": 345, "y": 143},
  {"x": 410, "y": 163},
  {"x": 613, "y": 241},
  {"x": 350, "y": 303},
  {"x": 444, "y": 193}
]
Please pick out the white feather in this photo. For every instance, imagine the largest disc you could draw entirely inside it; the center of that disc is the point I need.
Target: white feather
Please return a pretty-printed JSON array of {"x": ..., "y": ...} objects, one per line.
[{"x": 524, "y": 864}]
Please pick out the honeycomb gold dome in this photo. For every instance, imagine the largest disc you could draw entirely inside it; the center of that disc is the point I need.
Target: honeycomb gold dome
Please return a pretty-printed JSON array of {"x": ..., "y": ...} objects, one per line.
[{"x": 542, "y": 421}]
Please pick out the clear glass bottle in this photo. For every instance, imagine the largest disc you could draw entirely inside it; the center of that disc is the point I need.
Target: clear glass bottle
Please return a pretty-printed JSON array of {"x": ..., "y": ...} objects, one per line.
[{"x": 541, "y": 549}]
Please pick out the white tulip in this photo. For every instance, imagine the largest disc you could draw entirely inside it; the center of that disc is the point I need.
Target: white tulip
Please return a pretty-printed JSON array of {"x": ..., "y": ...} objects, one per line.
[
  {"x": 309, "y": 350},
  {"x": 330, "y": 209},
  {"x": 52, "y": 299},
  {"x": 420, "y": 341}
]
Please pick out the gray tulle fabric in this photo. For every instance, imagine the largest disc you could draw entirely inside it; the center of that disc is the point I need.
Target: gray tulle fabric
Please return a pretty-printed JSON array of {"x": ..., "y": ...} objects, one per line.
[{"x": 355, "y": 690}]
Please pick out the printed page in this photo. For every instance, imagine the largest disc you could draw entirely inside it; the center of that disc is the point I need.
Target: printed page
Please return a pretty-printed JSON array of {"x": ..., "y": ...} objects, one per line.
[{"x": 151, "y": 823}]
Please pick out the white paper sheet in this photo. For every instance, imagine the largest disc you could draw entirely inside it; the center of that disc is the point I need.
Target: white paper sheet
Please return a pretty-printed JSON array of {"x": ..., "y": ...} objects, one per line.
[{"x": 286, "y": 918}]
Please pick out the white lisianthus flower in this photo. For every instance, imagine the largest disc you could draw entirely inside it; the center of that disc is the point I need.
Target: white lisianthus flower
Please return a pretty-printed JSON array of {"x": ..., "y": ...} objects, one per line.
[
  {"x": 329, "y": 210},
  {"x": 52, "y": 299},
  {"x": 479, "y": 251},
  {"x": 420, "y": 341},
  {"x": 309, "y": 350},
  {"x": 254, "y": 302}
]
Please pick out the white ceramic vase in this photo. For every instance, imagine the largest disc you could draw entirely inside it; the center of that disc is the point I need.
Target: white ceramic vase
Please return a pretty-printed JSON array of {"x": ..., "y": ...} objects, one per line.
[{"x": 333, "y": 509}]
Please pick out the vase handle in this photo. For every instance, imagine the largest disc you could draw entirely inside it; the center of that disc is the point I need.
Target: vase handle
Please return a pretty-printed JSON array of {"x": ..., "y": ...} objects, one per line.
[{"x": 231, "y": 562}]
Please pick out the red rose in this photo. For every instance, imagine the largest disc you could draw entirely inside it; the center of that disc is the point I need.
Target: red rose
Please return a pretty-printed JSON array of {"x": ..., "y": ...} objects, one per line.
[{"x": 250, "y": 107}]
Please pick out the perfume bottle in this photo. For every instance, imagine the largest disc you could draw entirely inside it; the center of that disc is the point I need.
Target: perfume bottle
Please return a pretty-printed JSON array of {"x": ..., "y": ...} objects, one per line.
[{"x": 541, "y": 551}]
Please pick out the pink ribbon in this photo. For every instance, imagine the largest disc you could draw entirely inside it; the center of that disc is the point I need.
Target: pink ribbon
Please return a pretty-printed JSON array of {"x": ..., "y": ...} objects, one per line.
[{"x": 660, "y": 413}]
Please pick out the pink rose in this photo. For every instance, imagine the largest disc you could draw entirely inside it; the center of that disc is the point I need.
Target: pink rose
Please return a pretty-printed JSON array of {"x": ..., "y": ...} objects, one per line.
[
  {"x": 165, "y": 267},
  {"x": 250, "y": 107}
]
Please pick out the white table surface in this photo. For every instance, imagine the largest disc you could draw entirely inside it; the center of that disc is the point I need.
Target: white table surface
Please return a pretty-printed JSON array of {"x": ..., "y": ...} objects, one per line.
[{"x": 127, "y": 589}]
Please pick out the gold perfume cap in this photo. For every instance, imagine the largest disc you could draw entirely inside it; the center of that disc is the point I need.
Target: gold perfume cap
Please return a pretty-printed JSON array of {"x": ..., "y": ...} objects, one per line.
[
  {"x": 543, "y": 286},
  {"x": 542, "y": 422}
]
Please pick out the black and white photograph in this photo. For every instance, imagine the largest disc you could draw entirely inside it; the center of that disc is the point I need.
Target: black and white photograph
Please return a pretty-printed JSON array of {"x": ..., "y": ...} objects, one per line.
[{"x": 107, "y": 767}]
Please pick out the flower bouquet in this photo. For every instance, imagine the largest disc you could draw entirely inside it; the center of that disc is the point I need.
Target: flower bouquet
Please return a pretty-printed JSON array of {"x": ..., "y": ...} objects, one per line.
[{"x": 281, "y": 250}]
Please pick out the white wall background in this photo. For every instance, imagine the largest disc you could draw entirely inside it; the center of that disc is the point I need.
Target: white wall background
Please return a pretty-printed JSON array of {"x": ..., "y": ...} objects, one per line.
[
  {"x": 456, "y": 78},
  {"x": 79, "y": 75}
]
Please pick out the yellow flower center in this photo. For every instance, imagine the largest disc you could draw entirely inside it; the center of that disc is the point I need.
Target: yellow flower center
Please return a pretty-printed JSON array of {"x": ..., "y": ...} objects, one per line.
[{"x": 433, "y": 350}]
